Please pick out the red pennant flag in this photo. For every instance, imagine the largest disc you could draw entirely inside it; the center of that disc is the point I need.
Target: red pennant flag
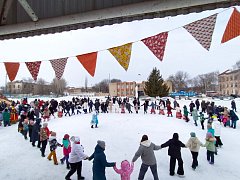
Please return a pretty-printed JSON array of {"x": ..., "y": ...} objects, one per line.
[
  {"x": 157, "y": 44},
  {"x": 233, "y": 27},
  {"x": 33, "y": 68},
  {"x": 59, "y": 66},
  {"x": 89, "y": 62},
  {"x": 12, "y": 70},
  {"x": 202, "y": 30}
]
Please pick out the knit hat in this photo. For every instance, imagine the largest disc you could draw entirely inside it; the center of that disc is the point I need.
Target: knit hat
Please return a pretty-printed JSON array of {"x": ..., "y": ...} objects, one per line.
[
  {"x": 45, "y": 125},
  {"x": 193, "y": 134},
  {"x": 209, "y": 135},
  {"x": 209, "y": 126},
  {"x": 101, "y": 144},
  {"x": 66, "y": 136},
  {"x": 144, "y": 138},
  {"x": 76, "y": 139}
]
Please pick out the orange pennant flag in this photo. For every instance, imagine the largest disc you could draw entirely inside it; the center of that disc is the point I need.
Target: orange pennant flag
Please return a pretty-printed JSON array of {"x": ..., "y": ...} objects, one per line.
[
  {"x": 122, "y": 54},
  {"x": 89, "y": 62},
  {"x": 12, "y": 70},
  {"x": 233, "y": 27}
]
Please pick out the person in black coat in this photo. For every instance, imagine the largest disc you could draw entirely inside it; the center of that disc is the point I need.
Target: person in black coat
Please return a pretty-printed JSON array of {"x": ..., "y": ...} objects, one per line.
[
  {"x": 174, "y": 151},
  {"x": 35, "y": 132},
  {"x": 197, "y": 103},
  {"x": 100, "y": 162},
  {"x": 233, "y": 104}
]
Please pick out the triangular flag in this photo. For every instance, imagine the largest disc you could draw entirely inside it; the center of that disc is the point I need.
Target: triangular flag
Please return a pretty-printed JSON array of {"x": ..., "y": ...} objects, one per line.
[
  {"x": 157, "y": 44},
  {"x": 122, "y": 54},
  {"x": 233, "y": 27},
  {"x": 59, "y": 66},
  {"x": 33, "y": 68},
  {"x": 202, "y": 30},
  {"x": 12, "y": 69},
  {"x": 89, "y": 62}
]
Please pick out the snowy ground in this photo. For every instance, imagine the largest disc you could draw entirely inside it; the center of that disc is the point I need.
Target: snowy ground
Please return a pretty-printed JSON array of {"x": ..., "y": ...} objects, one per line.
[{"x": 122, "y": 134}]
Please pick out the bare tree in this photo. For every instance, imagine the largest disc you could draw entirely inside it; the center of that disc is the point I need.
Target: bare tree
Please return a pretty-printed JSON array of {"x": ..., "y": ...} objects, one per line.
[
  {"x": 179, "y": 80},
  {"x": 86, "y": 83},
  {"x": 237, "y": 65},
  {"x": 205, "y": 82},
  {"x": 58, "y": 86},
  {"x": 41, "y": 87}
]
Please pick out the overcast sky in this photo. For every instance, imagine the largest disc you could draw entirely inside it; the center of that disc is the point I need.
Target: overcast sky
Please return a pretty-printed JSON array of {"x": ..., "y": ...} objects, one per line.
[{"x": 182, "y": 53}]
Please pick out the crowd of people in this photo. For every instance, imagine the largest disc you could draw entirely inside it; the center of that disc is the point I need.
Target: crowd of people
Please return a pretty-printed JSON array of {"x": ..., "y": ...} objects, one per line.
[{"x": 32, "y": 117}]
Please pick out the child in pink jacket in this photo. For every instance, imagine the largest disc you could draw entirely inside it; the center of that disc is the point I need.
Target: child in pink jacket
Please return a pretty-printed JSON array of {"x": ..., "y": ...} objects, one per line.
[{"x": 125, "y": 171}]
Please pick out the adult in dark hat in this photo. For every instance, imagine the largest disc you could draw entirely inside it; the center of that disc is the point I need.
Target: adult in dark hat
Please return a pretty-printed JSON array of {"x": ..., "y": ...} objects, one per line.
[
  {"x": 146, "y": 151},
  {"x": 100, "y": 163},
  {"x": 174, "y": 151}
]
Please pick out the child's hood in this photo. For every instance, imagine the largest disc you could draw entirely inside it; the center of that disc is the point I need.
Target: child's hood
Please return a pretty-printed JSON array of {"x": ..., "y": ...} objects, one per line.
[
  {"x": 146, "y": 143},
  {"x": 125, "y": 165}
]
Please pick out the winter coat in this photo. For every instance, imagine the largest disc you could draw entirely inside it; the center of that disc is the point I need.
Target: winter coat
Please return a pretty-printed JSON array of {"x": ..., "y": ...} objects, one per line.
[
  {"x": 174, "y": 147},
  {"x": 217, "y": 127},
  {"x": 6, "y": 116},
  {"x": 194, "y": 144},
  {"x": 185, "y": 111},
  {"x": 53, "y": 143},
  {"x": 146, "y": 151},
  {"x": 77, "y": 153},
  {"x": 36, "y": 130},
  {"x": 212, "y": 131},
  {"x": 66, "y": 147},
  {"x": 233, "y": 116},
  {"x": 195, "y": 115},
  {"x": 94, "y": 119},
  {"x": 125, "y": 171},
  {"x": 99, "y": 163},
  {"x": 44, "y": 134},
  {"x": 210, "y": 144}
]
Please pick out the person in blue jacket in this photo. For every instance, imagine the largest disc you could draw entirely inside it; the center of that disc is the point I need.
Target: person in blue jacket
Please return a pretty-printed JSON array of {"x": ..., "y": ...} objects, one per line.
[{"x": 100, "y": 163}]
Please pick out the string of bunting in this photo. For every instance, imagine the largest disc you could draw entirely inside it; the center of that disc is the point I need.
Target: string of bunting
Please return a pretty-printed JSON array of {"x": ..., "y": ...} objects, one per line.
[{"x": 201, "y": 30}]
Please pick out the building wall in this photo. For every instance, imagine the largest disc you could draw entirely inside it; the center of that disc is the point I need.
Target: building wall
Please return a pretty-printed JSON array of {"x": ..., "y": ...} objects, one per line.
[
  {"x": 229, "y": 82},
  {"x": 127, "y": 89}
]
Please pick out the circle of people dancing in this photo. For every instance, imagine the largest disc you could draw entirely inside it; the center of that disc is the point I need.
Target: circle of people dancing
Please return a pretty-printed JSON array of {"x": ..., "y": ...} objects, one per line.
[{"x": 30, "y": 117}]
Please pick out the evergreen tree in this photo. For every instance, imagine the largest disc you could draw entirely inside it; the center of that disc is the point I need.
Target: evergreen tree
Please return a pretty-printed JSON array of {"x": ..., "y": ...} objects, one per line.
[{"x": 155, "y": 85}]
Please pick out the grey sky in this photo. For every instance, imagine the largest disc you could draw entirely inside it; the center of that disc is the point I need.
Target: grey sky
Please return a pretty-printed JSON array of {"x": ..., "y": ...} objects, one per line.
[{"x": 182, "y": 51}]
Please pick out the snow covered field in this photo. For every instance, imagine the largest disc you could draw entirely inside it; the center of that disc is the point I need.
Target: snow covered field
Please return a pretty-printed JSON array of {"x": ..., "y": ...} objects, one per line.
[{"x": 122, "y": 134}]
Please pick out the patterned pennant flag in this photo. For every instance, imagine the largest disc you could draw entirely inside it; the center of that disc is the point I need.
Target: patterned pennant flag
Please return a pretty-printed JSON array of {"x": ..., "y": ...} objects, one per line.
[
  {"x": 59, "y": 66},
  {"x": 89, "y": 62},
  {"x": 12, "y": 70},
  {"x": 233, "y": 27},
  {"x": 122, "y": 54},
  {"x": 157, "y": 44},
  {"x": 202, "y": 30},
  {"x": 33, "y": 68}
]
